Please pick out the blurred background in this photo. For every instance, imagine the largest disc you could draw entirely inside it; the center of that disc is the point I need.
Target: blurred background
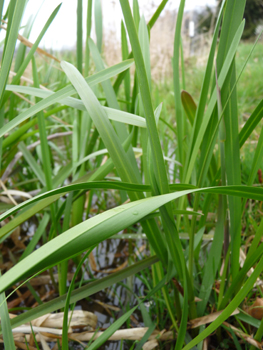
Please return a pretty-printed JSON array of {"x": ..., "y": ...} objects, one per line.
[{"x": 198, "y": 26}]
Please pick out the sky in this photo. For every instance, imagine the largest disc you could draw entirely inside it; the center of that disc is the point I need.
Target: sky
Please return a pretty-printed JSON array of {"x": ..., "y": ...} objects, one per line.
[{"x": 62, "y": 32}]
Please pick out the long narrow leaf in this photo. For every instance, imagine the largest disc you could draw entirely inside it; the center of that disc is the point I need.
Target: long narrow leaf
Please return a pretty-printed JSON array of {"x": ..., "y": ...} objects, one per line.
[
  {"x": 113, "y": 114},
  {"x": 63, "y": 93},
  {"x": 5, "y": 323},
  {"x": 83, "y": 292},
  {"x": 10, "y": 45},
  {"x": 240, "y": 296},
  {"x": 92, "y": 231}
]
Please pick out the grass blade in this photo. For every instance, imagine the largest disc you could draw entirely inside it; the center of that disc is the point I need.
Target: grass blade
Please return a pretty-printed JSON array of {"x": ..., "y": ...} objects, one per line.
[
  {"x": 83, "y": 292},
  {"x": 29, "y": 56},
  {"x": 5, "y": 323},
  {"x": 32, "y": 162},
  {"x": 79, "y": 36},
  {"x": 117, "y": 324},
  {"x": 61, "y": 94},
  {"x": 10, "y": 45},
  {"x": 103, "y": 226},
  {"x": 113, "y": 144},
  {"x": 231, "y": 22},
  {"x": 240, "y": 296},
  {"x": 177, "y": 88},
  {"x": 98, "y": 23}
]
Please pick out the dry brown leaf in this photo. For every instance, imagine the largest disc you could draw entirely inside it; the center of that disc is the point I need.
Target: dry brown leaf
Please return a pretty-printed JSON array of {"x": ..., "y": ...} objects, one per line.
[
  {"x": 151, "y": 344},
  {"x": 244, "y": 336},
  {"x": 13, "y": 303},
  {"x": 23, "y": 346},
  {"x": 256, "y": 310},
  {"x": 205, "y": 344},
  {"x": 45, "y": 279},
  {"x": 43, "y": 342},
  {"x": 92, "y": 262},
  {"x": 7, "y": 192},
  {"x": 129, "y": 334},
  {"x": 120, "y": 267},
  {"x": 207, "y": 319},
  {"x": 15, "y": 236},
  {"x": 28, "y": 43},
  {"x": 107, "y": 306},
  {"x": 181, "y": 290},
  {"x": 242, "y": 259},
  {"x": 140, "y": 250},
  {"x": 79, "y": 319}
]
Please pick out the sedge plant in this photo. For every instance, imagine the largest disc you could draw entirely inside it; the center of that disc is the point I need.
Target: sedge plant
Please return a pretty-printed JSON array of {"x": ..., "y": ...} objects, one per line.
[{"x": 110, "y": 111}]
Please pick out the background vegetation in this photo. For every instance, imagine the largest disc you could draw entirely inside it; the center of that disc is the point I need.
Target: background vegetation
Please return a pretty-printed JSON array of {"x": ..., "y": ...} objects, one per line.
[
  {"x": 169, "y": 170},
  {"x": 252, "y": 14}
]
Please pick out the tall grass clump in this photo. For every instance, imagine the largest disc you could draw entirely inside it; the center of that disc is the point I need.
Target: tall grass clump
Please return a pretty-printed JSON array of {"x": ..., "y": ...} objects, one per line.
[{"x": 189, "y": 166}]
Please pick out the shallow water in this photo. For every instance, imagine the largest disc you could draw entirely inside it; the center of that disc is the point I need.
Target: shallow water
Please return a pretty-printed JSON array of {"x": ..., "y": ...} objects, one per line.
[{"x": 109, "y": 255}]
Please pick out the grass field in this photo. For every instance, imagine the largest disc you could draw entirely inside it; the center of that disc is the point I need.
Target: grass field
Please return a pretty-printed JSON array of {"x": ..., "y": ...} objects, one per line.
[{"x": 131, "y": 195}]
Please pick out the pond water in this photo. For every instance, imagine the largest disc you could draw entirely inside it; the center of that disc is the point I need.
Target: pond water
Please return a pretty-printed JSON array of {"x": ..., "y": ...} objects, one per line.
[{"x": 108, "y": 305}]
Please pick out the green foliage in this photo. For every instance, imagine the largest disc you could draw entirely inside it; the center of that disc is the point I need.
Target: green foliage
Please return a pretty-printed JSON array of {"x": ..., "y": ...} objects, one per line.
[
  {"x": 188, "y": 151},
  {"x": 253, "y": 15}
]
